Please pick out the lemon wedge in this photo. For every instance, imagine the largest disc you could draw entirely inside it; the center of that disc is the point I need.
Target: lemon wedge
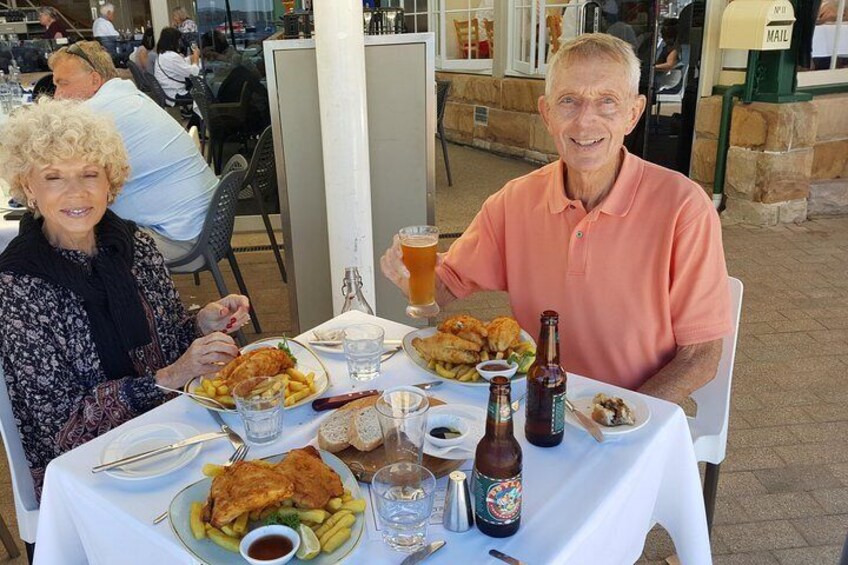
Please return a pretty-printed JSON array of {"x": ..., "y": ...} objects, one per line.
[{"x": 309, "y": 544}]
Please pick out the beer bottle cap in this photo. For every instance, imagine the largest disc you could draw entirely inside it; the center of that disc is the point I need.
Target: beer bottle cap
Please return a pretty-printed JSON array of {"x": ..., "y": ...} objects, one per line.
[{"x": 550, "y": 316}]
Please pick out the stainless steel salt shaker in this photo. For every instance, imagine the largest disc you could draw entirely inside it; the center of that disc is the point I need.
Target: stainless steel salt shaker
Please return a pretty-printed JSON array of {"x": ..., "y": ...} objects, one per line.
[{"x": 459, "y": 514}]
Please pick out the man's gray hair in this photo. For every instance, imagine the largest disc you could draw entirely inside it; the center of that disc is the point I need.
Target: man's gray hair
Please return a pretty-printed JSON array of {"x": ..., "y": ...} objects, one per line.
[
  {"x": 591, "y": 46},
  {"x": 106, "y": 8}
]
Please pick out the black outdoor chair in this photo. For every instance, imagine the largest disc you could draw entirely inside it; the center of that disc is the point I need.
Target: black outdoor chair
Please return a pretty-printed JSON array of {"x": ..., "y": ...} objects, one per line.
[
  {"x": 159, "y": 96},
  {"x": 221, "y": 122},
  {"x": 261, "y": 183},
  {"x": 442, "y": 90},
  {"x": 141, "y": 81},
  {"x": 213, "y": 244}
]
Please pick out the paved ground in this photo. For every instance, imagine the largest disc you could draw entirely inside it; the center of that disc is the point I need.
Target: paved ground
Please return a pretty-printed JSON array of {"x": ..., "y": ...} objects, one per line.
[{"x": 783, "y": 493}]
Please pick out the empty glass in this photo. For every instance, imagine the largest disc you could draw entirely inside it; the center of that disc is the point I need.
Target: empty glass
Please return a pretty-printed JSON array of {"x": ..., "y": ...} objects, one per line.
[
  {"x": 260, "y": 401},
  {"x": 404, "y": 494},
  {"x": 402, "y": 412},
  {"x": 363, "y": 347}
]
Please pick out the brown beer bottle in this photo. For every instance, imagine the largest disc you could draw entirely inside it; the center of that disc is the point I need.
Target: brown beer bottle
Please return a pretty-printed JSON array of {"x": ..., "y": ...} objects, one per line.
[
  {"x": 545, "y": 422},
  {"x": 497, "y": 468}
]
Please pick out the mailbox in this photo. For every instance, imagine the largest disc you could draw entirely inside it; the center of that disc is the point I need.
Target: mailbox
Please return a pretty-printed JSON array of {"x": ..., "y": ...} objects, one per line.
[{"x": 762, "y": 25}]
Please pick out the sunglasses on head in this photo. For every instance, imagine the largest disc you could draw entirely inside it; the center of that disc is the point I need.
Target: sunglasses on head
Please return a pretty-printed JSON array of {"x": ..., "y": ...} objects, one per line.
[{"x": 78, "y": 51}]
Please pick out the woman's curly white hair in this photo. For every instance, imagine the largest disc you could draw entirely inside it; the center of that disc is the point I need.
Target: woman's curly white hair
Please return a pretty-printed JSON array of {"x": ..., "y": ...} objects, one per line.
[{"x": 53, "y": 131}]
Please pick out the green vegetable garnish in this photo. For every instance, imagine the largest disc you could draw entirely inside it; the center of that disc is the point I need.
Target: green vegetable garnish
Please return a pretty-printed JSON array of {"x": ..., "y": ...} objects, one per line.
[
  {"x": 290, "y": 520},
  {"x": 284, "y": 345}
]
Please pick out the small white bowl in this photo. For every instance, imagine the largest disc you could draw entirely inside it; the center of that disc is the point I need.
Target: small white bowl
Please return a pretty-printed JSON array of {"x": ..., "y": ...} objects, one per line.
[
  {"x": 263, "y": 531},
  {"x": 458, "y": 423},
  {"x": 508, "y": 370}
]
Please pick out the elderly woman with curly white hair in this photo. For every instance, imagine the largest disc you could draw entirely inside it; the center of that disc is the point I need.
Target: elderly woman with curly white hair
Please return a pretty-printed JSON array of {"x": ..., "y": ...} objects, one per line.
[{"x": 91, "y": 320}]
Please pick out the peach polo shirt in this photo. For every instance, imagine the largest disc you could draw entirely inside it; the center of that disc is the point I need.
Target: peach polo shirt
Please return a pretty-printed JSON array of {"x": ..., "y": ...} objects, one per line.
[{"x": 639, "y": 275}]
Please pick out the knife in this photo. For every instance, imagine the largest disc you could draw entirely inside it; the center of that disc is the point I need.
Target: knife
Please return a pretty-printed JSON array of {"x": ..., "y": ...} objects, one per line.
[
  {"x": 423, "y": 553},
  {"x": 333, "y": 402},
  {"x": 339, "y": 343},
  {"x": 154, "y": 452},
  {"x": 505, "y": 558},
  {"x": 588, "y": 424}
]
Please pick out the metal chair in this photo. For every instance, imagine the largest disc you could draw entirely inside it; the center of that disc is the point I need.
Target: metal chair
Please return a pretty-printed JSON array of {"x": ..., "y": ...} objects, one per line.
[
  {"x": 213, "y": 244},
  {"x": 442, "y": 90},
  {"x": 260, "y": 182},
  {"x": 709, "y": 426},
  {"x": 23, "y": 489}
]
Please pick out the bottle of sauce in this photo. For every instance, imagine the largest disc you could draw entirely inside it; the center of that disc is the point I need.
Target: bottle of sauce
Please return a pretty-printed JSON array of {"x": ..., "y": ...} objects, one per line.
[
  {"x": 497, "y": 467},
  {"x": 545, "y": 422}
]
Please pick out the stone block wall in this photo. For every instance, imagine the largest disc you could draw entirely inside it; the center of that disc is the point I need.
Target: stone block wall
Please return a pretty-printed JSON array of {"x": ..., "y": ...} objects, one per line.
[
  {"x": 514, "y": 126},
  {"x": 785, "y": 161}
]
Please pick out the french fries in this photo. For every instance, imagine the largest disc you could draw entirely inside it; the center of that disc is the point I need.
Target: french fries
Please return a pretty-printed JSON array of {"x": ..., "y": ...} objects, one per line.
[
  {"x": 468, "y": 373},
  {"x": 298, "y": 385},
  {"x": 332, "y": 524}
]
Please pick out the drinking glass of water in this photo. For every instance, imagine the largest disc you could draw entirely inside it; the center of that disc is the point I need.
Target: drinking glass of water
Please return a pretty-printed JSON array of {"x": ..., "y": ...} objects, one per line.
[
  {"x": 363, "y": 347},
  {"x": 260, "y": 401},
  {"x": 404, "y": 493}
]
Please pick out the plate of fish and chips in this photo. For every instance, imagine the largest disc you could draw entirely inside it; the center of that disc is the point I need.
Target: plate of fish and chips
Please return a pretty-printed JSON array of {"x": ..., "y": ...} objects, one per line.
[
  {"x": 454, "y": 348},
  {"x": 305, "y": 489},
  {"x": 303, "y": 374}
]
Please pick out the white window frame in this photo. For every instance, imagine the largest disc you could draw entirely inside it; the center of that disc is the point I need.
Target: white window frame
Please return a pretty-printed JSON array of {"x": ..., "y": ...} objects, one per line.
[{"x": 442, "y": 62}]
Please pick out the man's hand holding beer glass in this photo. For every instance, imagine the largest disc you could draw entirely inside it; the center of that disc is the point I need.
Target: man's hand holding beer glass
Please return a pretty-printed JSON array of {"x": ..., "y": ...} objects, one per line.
[{"x": 410, "y": 263}]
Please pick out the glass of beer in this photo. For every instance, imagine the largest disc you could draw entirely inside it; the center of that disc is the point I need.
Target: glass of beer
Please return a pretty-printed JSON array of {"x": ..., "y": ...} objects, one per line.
[{"x": 419, "y": 256}]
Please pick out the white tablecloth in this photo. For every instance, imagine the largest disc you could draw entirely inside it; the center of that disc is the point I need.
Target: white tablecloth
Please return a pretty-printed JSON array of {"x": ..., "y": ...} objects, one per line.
[
  {"x": 583, "y": 502},
  {"x": 823, "y": 38}
]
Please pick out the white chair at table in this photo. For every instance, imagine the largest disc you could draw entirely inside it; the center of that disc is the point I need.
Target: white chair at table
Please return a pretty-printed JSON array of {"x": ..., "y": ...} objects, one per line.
[
  {"x": 709, "y": 426},
  {"x": 26, "y": 506}
]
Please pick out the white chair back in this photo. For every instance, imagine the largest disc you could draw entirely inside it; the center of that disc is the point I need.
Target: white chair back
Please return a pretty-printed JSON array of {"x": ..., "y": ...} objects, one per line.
[
  {"x": 709, "y": 426},
  {"x": 26, "y": 506}
]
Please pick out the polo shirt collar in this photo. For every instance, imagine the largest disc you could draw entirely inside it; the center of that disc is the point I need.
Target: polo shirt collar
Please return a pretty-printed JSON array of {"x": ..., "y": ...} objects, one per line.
[{"x": 617, "y": 202}]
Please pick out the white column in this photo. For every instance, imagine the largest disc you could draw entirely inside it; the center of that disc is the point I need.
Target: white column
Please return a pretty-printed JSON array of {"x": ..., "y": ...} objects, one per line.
[
  {"x": 340, "y": 54},
  {"x": 160, "y": 16}
]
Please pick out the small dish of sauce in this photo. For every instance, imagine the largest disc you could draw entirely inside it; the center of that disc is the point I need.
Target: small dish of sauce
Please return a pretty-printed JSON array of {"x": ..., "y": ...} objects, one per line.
[
  {"x": 269, "y": 548},
  {"x": 269, "y": 545},
  {"x": 497, "y": 368},
  {"x": 444, "y": 432}
]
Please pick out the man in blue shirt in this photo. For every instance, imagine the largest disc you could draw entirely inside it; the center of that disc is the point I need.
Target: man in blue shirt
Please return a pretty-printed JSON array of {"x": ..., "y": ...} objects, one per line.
[{"x": 170, "y": 185}]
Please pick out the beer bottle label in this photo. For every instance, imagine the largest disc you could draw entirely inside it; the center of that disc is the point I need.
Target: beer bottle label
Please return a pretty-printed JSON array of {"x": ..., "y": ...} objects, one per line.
[
  {"x": 497, "y": 501},
  {"x": 558, "y": 413},
  {"x": 500, "y": 411}
]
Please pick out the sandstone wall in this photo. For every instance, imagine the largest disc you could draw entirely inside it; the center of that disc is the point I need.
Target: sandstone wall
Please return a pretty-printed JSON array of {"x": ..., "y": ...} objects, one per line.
[
  {"x": 515, "y": 127},
  {"x": 785, "y": 162}
]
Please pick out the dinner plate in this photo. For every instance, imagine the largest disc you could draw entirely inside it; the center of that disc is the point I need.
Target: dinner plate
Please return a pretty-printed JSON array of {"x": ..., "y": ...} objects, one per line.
[
  {"x": 307, "y": 362},
  {"x": 476, "y": 419},
  {"x": 207, "y": 551},
  {"x": 582, "y": 401},
  {"x": 338, "y": 349},
  {"x": 421, "y": 362},
  {"x": 145, "y": 438}
]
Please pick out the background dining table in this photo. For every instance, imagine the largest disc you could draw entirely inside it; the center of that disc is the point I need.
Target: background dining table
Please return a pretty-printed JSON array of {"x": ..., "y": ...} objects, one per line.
[{"x": 583, "y": 502}]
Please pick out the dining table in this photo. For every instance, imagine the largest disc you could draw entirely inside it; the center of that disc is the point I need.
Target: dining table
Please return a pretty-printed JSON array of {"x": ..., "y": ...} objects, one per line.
[{"x": 583, "y": 501}]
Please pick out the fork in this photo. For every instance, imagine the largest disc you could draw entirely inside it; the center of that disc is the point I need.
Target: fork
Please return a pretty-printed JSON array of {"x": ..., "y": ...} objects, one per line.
[
  {"x": 389, "y": 354},
  {"x": 241, "y": 449}
]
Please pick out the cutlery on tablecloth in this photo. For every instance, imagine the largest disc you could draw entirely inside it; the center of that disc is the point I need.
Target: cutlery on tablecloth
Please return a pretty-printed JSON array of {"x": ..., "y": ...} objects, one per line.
[
  {"x": 588, "y": 423},
  {"x": 197, "y": 397},
  {"x": 505, "y": 558},
  {"x": 338, "y": 342},
  {"x": 333, "y": 402},
  {"x": 423, "y": 553},
  {"x": 154, "y": 452}
]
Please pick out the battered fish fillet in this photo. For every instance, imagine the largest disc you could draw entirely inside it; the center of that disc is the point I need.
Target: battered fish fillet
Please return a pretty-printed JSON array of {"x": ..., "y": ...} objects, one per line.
[
  {"x": 314, "y": 482},
  {"x": 264, "y": 362},
  {"x": 503, "y": 333},
  {"x": 448, "y": 348},
  {"x": 246, "y": 486},
  {"x": 466, "y": 327}
]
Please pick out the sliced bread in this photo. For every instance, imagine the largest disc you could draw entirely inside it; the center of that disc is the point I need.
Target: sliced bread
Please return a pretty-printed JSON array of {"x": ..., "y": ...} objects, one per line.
[
  {"x": 364, "y": 432},
  {"x": 333, "y": 431}
]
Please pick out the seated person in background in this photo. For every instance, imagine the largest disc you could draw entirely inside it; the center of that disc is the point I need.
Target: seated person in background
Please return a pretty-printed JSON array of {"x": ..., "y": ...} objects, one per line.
[
  {"x": 181, "y": 21},
  {"x": 172, "y": 69},
  {"x": 102, "y": 26},
  {"x": 170, "y": 186},
  {"x": 145, "y": 54},
  {"x": 828, "y": 10},
  {"x": 91, "y": 319},
  {"x": 53, "y": 27},
  {"x": 669, "y": 52},
  {"x": 628, "y": 252}
]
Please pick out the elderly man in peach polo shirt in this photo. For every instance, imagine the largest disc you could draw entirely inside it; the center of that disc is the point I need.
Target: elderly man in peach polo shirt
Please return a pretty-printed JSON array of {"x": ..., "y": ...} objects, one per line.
[{"x": 627, "y": 252}]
